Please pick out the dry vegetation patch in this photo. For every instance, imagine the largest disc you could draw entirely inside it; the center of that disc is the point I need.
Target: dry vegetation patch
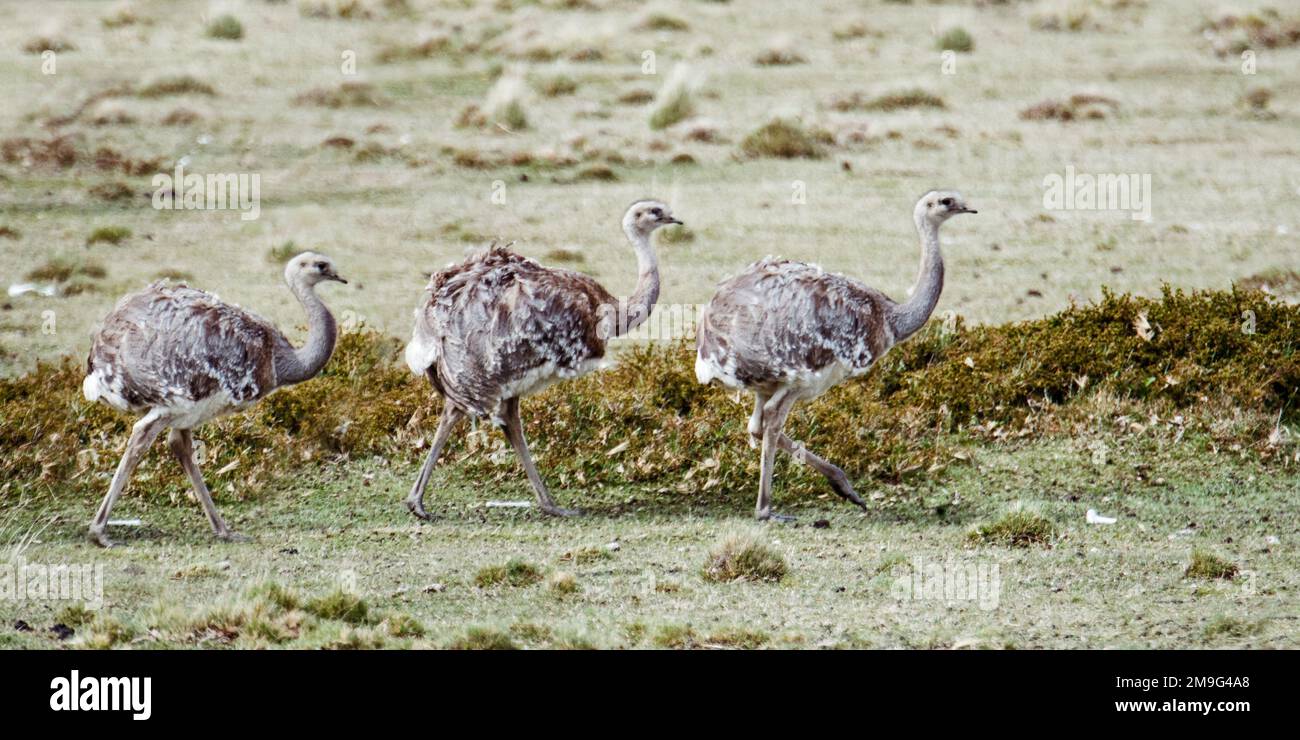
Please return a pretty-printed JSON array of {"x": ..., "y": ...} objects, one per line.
[
  {"x": 345, "y": 95},
  {"x": 911, "y": 415},
  {"x": 1074, "y": 108},
  {"x": 887, "y": 102},
  {"x": 786, "y": 139}
]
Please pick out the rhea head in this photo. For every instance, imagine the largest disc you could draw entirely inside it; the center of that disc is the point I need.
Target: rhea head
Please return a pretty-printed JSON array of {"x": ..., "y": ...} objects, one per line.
[
  {"x": 311, "y": 268},
  {"x": 938, "y": 206},
  {"x": 644, "y": 216}
]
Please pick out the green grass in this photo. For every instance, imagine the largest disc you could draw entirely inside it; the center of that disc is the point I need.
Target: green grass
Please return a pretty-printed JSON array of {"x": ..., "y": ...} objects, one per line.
[
  {"x": 955, "y": 39},
  {"x": 114, "y": 235},
  {"x": 1064, "y": 596},
  {"x": 1016, "y": 529},
  {"x": 674, "y": 104},
  {"x": 479, "y": 638},
  {"x": 226, "y": 27},
  {"x": 1208, "y": 566},
  {"x": 514, "y": 574}
]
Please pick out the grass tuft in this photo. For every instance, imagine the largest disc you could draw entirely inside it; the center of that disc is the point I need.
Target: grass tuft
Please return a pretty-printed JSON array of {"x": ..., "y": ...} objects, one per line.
[
  {"x": 785, "y": 139},
  {"x": 340, "y": 605},
  {"x": 740, "y": 638},
  {"x": 1016, "y": 529},
  {"x": 955, "y": 39},
  {"x": 562, "y": 254},
  {"x": 557, "y": 86},
  {"x": 42, "y": 44},
  {"x": 427, "y": 48},
  {"x": 483, "y": 638},
  {"x": 1073, "y": 108},
  {"x": 779, "y": 56},
  {"x": 1232, "y": 627},
  {"x": 62, "y": 270},
  {"x": 586, "y": 555},
  {"x": 226, "y": 27},
  {"x": 676, "y": 235},
  {"x": 114, "y": 235},
  {"x": 563, "y": 584},
  {"x": 742, "y": 557},
  {"x": 662, "y": 22},
  {"x": 515, "y": 574},
  {"x": 674, "y": 103},
  {"x": 346, "y": 95},
  {"x": 504, "y": 105},
  {"x": 888, "y": 102},
  {"x": 166, "y": 87},
  {"x": 1209, "y": 566},
  {"x": 676, "y": 637}
]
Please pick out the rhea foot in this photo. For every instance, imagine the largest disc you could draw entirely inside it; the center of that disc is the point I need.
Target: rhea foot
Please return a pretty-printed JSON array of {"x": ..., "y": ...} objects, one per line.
[
  {"x": 417, "y": 508},
  {"x": 554, "y": 510},
  {"x": 99, "y": 536}
]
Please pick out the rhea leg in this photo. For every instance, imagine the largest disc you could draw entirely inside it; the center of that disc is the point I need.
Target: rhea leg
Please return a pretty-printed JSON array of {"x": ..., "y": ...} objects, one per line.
[
  {"x": 415, "y": 501},
  {"x": 142, "y": 436},
  {"x": 755, "y": 427},
  {"x": 182, "y": 443},
  {"x": 515, "y": 433},
  {"x": 775, "y": 412},
  {"x": 834, "y": 475}
]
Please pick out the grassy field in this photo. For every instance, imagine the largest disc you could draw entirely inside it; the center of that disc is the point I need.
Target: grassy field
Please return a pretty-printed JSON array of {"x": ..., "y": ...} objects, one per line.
[
  {"x": 1085, "y": 586},
  {"x": 532, "y": 121},
  {"x": 414, "y": 190}
]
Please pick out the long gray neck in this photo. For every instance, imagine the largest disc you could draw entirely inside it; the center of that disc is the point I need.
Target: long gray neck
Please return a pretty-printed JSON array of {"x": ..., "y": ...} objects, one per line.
[
  {"x": 296, "y": 365},
  {"x": 908, "y": 317},
  {"x": 642, "y": 301}
]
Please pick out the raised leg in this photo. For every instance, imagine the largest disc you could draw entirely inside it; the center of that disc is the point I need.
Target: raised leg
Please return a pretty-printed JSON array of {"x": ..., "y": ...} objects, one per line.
[
  {"x": 182, "y": 443},
  {"x": 775, "y": 412},
  {"x": 515, "y": 433},
  {"x": 834, "y": 475},
  {"x": 142, "y": 436},
  {"x": 415, "y": 501}
]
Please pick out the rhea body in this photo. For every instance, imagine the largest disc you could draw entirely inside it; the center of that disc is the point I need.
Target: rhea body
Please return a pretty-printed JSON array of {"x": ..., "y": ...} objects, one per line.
[
  {"x": 498, "y": 327},
  {"x": 788, "y": 331},
  {"x": 179, "y": 357}
]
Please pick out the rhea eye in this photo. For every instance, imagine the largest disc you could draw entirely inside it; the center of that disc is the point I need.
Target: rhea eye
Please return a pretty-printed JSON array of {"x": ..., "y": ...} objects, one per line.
[
  {"x": 947, "y": 202},
  {"x": 321, "y": 265},
  {"x": 656, "y": 212}
]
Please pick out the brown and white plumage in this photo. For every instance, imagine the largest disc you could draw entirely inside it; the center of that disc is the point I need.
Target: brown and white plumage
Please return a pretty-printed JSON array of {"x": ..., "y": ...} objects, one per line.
[
  {"x": 788, "y": 331},
  {"x": 499, "y": 327},
  {"x": 180, "y": 357},
  {"x": 174, "y": 346}
]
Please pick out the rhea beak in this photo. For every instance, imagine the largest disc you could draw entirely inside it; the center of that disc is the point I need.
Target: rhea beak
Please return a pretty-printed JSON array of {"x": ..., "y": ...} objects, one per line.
[
  {"x": 331, "y": 275},
  {"x": 964, "y": 209},
  {"x": 669, "y": 220}
]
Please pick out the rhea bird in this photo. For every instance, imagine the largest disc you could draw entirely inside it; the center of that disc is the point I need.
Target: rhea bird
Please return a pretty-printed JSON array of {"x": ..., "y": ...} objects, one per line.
[
  {"x": 788, "y": 331},
  {"x": 180, "y": 357},
  {"x": 499, "y": 327}
]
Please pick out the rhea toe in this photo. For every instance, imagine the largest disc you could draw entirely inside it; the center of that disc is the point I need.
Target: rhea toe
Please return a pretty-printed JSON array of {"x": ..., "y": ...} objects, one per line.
[{"x": 788, "y": 331}]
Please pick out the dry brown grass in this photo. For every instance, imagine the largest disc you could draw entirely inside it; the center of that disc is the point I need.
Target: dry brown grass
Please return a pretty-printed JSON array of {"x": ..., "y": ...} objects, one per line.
[{"x": 1074, "y": 108}]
